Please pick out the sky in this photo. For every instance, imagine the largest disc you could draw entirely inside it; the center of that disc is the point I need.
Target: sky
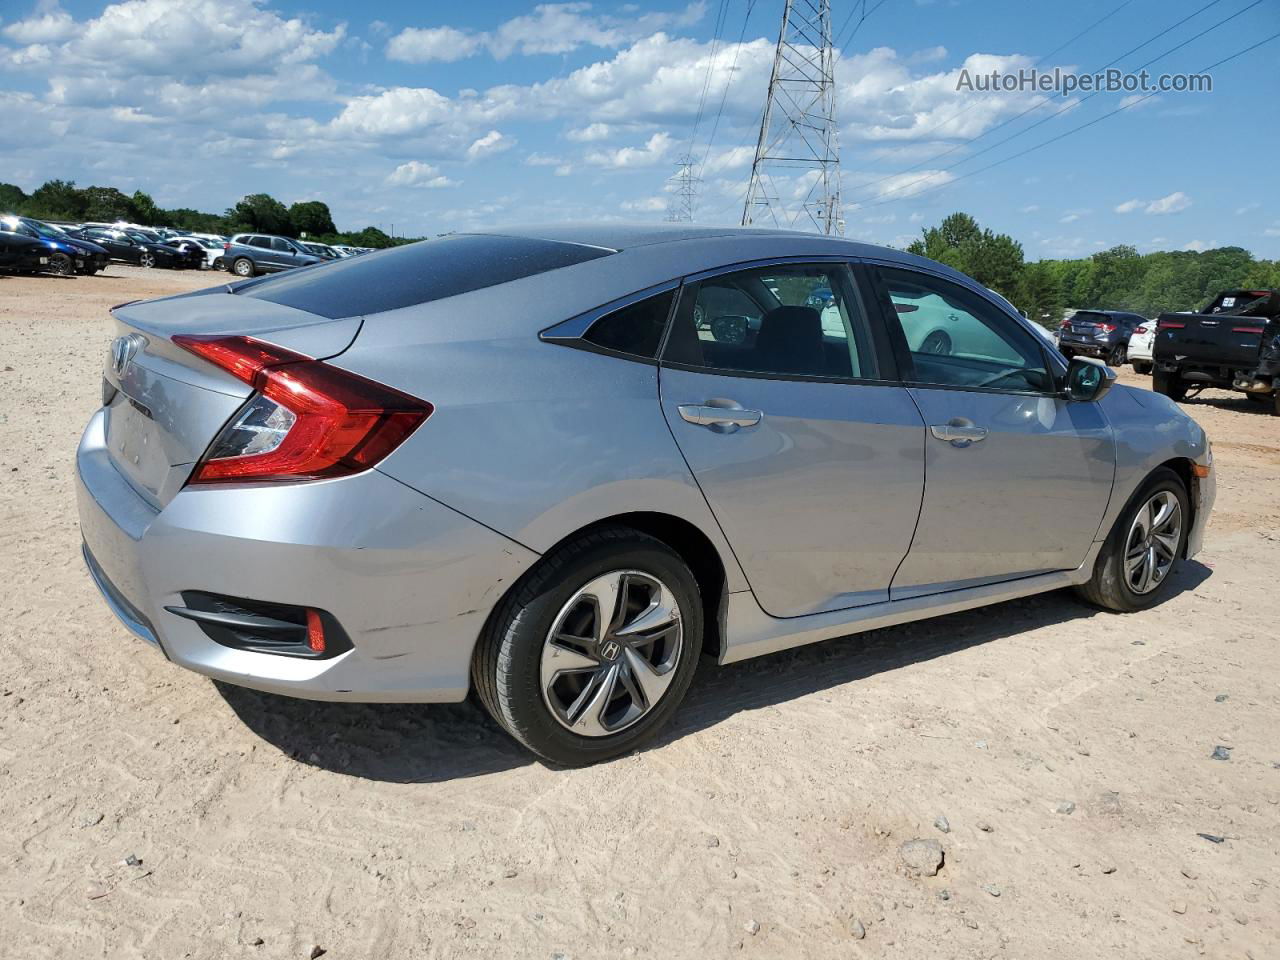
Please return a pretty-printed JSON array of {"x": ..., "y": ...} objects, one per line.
[{"x": 425, "y": 117}]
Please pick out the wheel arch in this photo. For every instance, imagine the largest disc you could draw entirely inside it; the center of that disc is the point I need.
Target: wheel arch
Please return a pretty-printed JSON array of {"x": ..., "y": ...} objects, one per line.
[
  {"x": 693, "y": 546},
  {"x": 1183, "y": 467}
]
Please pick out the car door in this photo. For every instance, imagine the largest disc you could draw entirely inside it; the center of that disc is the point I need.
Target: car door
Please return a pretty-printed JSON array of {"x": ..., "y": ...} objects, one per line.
[
  {"x": 808, "y": 452},
  {"x": 1017, "y": 478}
]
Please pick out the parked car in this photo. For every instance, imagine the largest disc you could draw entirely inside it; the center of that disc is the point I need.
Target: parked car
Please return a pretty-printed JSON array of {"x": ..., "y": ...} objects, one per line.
[
  {"x": 1232, "y": 344},
  {"x": 249, "y": 254},
  {"x": 453, "y": 464},
  {"x": 1099, "y": 333},
  {"x": 66, "y": 254},
  {"x": 347, "y": 251},
  {"x": 23, "y": 254},
  {"x": 1141, "y": 343},
  {"x": 210, "y": 252},
  {"x": 135, "y": 248},
  {"x": 322, "y": 250}
]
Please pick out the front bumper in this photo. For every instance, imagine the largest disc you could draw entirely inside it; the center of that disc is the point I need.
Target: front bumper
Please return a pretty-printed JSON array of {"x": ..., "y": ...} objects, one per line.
[
  {"x": 410, "y": 580},
  {"x": 1205, "y": 492}
]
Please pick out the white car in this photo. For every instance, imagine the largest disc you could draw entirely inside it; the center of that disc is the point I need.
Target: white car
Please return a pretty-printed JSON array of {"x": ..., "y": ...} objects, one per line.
[
  {"x": 1140, "y": 344},
  {"x": 212, "y": 251}
]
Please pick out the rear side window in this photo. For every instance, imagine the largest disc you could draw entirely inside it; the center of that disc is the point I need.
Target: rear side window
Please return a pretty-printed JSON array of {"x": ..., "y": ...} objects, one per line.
[
  {"x": 635, "y": 329},
  {"x": 416, "y": 273}
]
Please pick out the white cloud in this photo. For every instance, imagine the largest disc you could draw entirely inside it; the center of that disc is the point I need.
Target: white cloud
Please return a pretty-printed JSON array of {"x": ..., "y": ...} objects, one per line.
[
  {"x": 541, "y": 160},
  {"x": 442, "y": 44},
  {"x": 1029, "y": 208},
  {"x": 654, "y": 151},
  {"x": 1070, "y": 218},
  {"x": 1199, "y": 246},
  {"x": 415, "y": 173},
  {"x": 589, "y": 133},
  {"x": 491, "y": 143},
  {"x": 1272, "y": 231},
  {"x": 645, "y": 205},
  {"x": 552, "y": 28},
  {"x": 1173, "y": 203},
  {"x": 394, "y": 112},
  {"x": 733, "y": 158},
  {"x": 49, "y": 24}
]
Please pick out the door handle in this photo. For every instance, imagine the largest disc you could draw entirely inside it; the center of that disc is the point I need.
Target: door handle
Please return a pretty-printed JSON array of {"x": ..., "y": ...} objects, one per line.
[
  {"x": 959, "y": 432},
  {"x": 708, "y": 415}
]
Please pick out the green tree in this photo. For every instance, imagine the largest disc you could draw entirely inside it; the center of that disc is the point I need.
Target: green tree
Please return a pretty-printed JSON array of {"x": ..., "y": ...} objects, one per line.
[
  {"x": 994, "y": 260},
  {"x": 56, "y": 200},
  {"x": 107, "y": 204},
  {"x": 1040, "y": 293},
  {"x": 261, "y": 212},
  {"x": 12, "y": 198},
  {"x": 145, "y": 210},
  {"x": 312, "y": 217}
]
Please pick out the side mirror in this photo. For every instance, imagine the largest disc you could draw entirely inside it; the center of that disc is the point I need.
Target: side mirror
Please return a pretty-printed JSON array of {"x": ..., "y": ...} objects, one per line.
[{"x": 1088, "y": 380}]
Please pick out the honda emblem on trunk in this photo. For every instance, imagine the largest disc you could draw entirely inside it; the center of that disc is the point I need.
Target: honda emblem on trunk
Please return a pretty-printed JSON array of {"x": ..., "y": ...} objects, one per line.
[{"x": 123, "y": 349}]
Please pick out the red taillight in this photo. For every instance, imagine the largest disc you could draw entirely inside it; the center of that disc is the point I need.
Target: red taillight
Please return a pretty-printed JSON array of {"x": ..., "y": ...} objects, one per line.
[
  {"x": 1140, "y": 330},
  {"x": 226, "y": 248},
  {"x": 1107, "y": 327},
  {"x": 1247, "y": 329},
  {"x": 307, "y": 421},
  {"x": 1170, "y": 325}
]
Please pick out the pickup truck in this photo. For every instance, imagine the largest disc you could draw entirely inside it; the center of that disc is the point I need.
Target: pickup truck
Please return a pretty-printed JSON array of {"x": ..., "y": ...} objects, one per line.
[{"x": 1233, "y": 344}]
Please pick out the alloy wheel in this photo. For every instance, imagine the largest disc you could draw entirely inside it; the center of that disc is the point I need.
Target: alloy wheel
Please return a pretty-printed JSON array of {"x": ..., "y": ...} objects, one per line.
[
  {"x": 60, "y": 265},
  {"x": 1153, "y": 541},
  {"x": 147, "y": 260},
  {"x": 611, "y": 653}
]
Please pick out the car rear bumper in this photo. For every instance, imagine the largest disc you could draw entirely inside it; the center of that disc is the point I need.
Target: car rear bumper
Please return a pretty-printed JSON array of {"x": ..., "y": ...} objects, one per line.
[
  {"x": 410, "y": 580},
  {"x": 1089, "y": 348}
]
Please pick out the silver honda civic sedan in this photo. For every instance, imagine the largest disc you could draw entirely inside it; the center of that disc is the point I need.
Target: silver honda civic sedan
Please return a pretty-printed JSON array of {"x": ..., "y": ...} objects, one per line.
[{"x": 557, "y": 466}]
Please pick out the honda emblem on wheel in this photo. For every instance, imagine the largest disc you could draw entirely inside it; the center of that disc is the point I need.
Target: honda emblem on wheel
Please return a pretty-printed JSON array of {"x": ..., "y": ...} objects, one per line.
[{"x": 611, "y": 650}]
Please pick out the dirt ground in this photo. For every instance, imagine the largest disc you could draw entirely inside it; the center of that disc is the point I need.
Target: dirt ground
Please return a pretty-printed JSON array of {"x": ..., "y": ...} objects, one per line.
[{"x": 766, "y": 823}]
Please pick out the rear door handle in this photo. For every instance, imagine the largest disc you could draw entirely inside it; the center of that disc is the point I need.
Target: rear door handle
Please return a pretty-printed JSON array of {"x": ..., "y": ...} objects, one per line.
[
  {"x": 959, "y": 432},
  {"x": 707, "y": 415}
]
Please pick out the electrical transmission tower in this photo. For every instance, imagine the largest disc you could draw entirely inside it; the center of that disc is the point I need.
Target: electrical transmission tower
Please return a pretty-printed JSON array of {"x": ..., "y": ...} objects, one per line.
[
  {"x": 798, "y": 140},
  {"x": 681, "y": 206}
]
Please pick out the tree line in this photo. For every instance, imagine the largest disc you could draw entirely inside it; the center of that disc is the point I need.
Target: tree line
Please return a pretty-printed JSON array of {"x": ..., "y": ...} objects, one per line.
[
  {"x": 257, "y": 212},
  {"x": 1119, "y": 278}
]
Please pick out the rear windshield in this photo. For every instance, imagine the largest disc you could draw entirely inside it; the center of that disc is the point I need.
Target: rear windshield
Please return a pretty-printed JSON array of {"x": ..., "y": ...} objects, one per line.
[
  {"x": 1086, "y": 316},
  {"x": 415, "y": 273}
]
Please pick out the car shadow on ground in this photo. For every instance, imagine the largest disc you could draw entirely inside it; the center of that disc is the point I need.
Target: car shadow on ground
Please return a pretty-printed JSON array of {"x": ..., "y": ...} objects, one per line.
[
  {"x": 428, "y": 743},
  {"x": 1235, "y": 401}
]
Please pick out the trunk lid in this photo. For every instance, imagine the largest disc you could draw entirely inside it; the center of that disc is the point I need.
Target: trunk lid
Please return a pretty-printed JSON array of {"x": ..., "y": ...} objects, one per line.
[{"x": 164, "y": 405}]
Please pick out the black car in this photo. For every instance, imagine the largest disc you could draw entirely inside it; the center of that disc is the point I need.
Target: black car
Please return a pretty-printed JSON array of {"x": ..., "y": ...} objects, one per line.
[
  {"x": 23, "y": 254},
  {"x": 1099, "y": 333},
  {"x": 131, "y": 247},
  {"x": 66, "y": 254}
]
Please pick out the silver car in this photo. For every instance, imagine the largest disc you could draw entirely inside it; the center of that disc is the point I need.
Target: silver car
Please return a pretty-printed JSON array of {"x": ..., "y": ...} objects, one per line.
[{"x": 557, "y": 466}]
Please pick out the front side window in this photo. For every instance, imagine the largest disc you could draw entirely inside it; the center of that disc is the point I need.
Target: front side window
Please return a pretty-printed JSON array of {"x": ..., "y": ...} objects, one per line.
[
  {"x": 788, "y": 320},
  {"x": 957, "y": 338}
]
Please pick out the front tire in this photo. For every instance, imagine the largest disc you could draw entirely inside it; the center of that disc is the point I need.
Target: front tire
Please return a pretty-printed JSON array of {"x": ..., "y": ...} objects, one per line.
[
  {"x": 1119, "y": 355},
  {"x": 219, "y": 264},
  {"x": 242, "y": 267},
  {"x": 592, "y": 651},
  {"x": 60, "y": 265},
  {"x": 1144, "y": 548},
  {"x": 147, "y": 260}
]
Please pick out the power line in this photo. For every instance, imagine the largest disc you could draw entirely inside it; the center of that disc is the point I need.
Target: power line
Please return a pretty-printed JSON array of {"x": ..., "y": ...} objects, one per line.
[
  {"x": 1069, "y": 106},
  {"x": 842, "y": 40},
  {"x": 1052, "y": 140},
  {"x": 711, "y": 66},
  {"x": 727, "y": 83}
]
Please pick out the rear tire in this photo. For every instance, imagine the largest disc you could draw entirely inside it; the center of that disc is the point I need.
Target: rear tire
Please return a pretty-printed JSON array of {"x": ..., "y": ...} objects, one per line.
[
  {"x": 242, "y": 267},
  {"x": 1141, "y": 367},
  {"x": 147, "y": 260},
  {"x": 543, "y": 692},
  {"x": 1170, "y": 384},
  {"x": 219, "y": 264},
  {"x": 1117, "y": 584},
  {"x": 1119, "y": 355}
]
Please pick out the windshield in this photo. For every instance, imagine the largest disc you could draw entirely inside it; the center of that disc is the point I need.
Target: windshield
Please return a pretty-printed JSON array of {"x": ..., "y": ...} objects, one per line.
[{"x": 138, "y": 238}]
